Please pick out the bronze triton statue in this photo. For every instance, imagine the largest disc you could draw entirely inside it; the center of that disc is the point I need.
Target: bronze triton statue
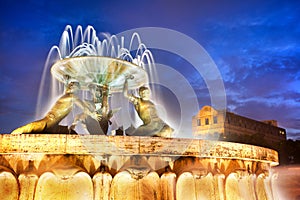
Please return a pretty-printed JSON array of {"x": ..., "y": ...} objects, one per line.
[
  {"x": 152, "y": 124},
  {"x": 62, "y": 107},
  {"x": 91, "y": 125}
]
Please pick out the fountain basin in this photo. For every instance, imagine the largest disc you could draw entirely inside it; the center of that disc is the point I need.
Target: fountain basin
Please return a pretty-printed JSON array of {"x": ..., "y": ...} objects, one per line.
[
  {"x": 40, "y": 166},
  {"x": 99, "y": 70}
]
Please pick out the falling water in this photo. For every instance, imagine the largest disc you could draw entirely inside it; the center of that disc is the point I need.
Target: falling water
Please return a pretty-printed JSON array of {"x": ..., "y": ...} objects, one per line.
[{"x": 86, "y": 43}]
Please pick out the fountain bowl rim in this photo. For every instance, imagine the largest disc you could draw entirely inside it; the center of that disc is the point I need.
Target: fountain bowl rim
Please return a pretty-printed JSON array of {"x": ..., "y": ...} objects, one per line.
[{"x": 137, "y": 69}]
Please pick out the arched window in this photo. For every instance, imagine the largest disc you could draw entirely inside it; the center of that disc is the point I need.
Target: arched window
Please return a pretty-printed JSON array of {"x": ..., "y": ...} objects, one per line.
[
  {"x": 198, "y": 122},
  {"x": 215, "y": 119},
  {"x": 206, "y": 121}
]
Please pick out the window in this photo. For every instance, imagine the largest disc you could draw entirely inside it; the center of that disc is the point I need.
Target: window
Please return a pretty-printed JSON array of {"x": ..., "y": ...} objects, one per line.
[
  {"x": 228, "y": 120},
  {"x": 198, "y": 122},
  {"x": 215, "y": 119},
  {"x": 206, "y": 121}
]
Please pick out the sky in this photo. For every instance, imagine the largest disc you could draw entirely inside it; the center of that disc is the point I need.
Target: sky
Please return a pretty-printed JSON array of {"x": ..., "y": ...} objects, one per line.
[{"x": 253, "y": 44}]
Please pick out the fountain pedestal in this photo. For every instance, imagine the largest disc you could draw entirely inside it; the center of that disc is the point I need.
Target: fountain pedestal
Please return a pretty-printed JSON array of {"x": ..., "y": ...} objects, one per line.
[{"x": 60, "y": 166}]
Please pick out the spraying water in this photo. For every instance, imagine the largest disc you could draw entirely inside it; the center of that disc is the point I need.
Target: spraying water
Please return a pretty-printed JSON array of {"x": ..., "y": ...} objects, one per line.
[{"x": 86, "y": 58}]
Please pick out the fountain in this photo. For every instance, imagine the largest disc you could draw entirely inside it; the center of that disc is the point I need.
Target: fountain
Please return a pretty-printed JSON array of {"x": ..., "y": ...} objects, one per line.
[
  {"x": 84, "y": 59},
  {"x": 111, "y": 166}
]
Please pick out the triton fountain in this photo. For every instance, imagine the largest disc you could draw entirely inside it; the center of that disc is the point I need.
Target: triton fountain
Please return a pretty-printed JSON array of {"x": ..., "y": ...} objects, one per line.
[{"x": 106, "y": 163}]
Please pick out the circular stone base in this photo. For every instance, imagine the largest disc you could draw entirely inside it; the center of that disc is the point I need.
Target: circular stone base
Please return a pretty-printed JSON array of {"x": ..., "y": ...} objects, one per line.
[{"x": 34, "y": 166}]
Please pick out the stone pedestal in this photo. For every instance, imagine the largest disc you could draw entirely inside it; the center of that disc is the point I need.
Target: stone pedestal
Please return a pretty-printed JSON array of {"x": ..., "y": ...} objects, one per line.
[{"x": 42, "y": 167}]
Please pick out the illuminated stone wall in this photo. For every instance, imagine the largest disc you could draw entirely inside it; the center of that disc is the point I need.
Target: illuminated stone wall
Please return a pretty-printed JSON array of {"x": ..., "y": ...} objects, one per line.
[
  {"x": 86, "y": 167},
  {"x": 209, "y": 122}
]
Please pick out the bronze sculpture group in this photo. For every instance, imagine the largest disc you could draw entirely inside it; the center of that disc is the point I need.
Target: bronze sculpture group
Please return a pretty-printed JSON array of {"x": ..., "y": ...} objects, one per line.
[{"x": 96, "y": 110}]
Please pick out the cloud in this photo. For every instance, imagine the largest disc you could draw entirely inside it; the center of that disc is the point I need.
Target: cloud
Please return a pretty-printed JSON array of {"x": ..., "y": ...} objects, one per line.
[
  {"x": 293, "y": 133},
  {"x": 259, "y": 62}
]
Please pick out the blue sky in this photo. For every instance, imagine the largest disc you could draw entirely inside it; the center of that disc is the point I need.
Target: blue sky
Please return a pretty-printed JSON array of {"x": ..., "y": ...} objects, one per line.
[{"x": 254, "y": 44}]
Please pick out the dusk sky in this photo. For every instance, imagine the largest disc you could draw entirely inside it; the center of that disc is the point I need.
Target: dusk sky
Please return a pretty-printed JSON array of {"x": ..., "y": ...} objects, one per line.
[{"x": 254, "y": 44}]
